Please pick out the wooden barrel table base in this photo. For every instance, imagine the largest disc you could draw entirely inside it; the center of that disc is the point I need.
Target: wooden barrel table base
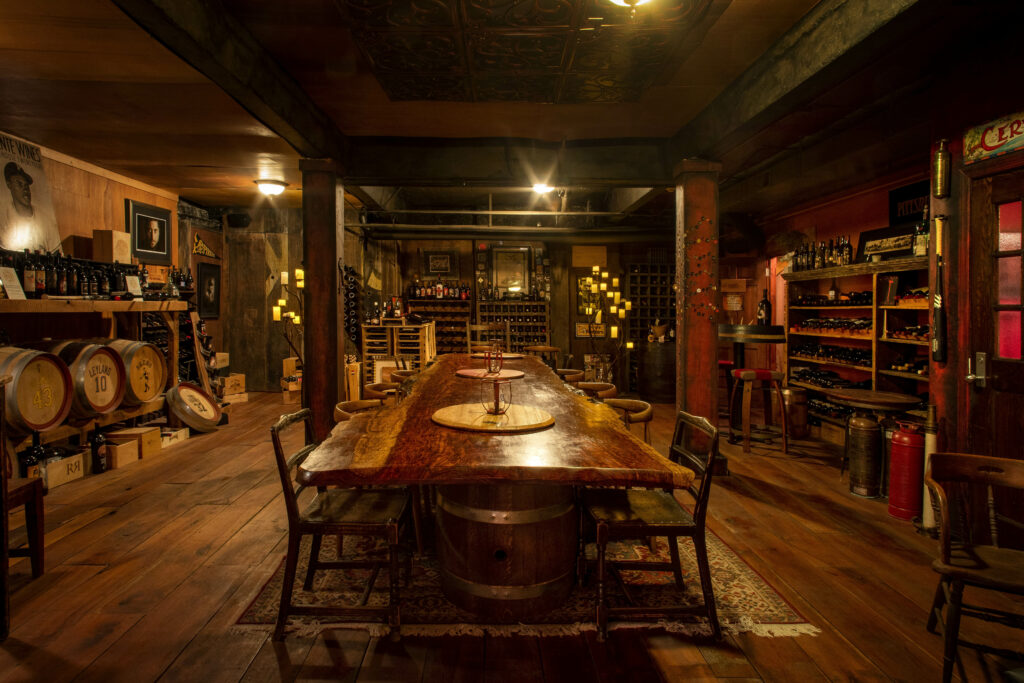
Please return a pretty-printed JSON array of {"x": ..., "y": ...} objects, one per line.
[
  {"x": 506, "y": 551},
  {"x": 474, "y": 417}
]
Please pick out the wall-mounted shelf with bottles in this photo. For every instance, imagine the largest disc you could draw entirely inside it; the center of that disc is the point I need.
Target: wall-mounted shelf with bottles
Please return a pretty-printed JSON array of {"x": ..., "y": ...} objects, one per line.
[
  {"x": 529, "y": 322},
  {"x": 649, "y": 288},
  {"x": 843, "y": 327},
  {"x": 450, "y": 317}
]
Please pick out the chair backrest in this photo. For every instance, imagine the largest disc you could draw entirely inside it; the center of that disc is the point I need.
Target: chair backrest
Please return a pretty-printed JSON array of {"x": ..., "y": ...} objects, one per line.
[
  {"x": 695, "y": 445},
  {"x": 479, "y": 336},
  {"x": 980, "y": 499},
  {"x": 285, "y": 464}
]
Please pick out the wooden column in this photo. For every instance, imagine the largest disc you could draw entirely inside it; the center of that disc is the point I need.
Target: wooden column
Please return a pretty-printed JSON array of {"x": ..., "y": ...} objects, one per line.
[
  {"x": 697, "y": 295},
  {"x": 323, "y": 235}
]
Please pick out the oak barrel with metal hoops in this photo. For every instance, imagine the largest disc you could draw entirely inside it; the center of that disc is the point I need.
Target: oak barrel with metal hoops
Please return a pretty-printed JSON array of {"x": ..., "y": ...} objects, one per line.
[
  {"x": 97, "y": 376},
  {"x": 146, "y": 368},
  {"x": 194, "y": 407},
  {"x": 506, "y": 551},
  {"x": 39, "y": 395}
]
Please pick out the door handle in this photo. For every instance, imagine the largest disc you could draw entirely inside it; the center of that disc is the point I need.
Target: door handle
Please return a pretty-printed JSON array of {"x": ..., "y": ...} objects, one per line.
[{"x": 980, "y": 379}]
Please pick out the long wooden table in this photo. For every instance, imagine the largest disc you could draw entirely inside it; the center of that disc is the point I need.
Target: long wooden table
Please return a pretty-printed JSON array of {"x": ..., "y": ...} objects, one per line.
[{"x": 507, "y": 528}]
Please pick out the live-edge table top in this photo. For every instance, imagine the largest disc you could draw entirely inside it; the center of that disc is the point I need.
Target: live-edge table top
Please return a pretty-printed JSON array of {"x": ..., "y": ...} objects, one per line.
[{"x": 400, "y": 445}]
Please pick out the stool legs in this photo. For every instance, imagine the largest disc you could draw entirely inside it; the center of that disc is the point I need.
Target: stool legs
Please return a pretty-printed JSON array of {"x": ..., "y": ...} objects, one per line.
[
  {"x": 747, "y": 390},
  {"x": 745, "y": 424}
]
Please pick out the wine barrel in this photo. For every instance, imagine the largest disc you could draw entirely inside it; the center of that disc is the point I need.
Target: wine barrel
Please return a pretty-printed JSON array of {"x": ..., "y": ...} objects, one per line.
[
  {"x": 97, "y": 376},
  {"x": 529, "y": 537},
  {"x": 39, "y": 395},
  {"x": 194, "y": 407},
  {"x": 146, "y": 368}
]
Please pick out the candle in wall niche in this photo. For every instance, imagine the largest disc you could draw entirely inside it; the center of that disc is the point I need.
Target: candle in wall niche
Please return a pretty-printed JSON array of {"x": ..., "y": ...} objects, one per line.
[
  {"x": 593, "y": 289},
  {"x": 300, "y": 283},
  {"x": 282, "y": 303},
  {"x": 618, "y": 297},
  {"x": 277, "y": 313},
  {"x": 612, "y": 309},
  {"x": 610, "y": 293},
  {"x": 598, "y": 318},
  {"x": 604, "y": 286},
  {"x": 284, "y": 277},
  {"x": 615, "y": 282},
  {"x": 629, "y": 305},
  {"x": 629, "y": 345},
  {"x": 604, "y": 275},
  {"x": 297, "y": 320},
  {"x": 300, "y": 274},
  {"x": 615, "y": 331},
  {"x": 596, "y": 269},
  {"x": 622, "y": 312}
]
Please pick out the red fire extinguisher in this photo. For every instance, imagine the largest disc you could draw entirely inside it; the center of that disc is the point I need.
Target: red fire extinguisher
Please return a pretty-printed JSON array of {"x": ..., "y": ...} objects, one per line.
[{"x": 906, "y": 471}]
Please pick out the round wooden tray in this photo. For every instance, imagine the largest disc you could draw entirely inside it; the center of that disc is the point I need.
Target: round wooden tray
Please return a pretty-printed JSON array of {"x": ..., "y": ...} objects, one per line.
[
  {"x": 506, "y": 356},
  {"x": 472, "y": 417},
  {"x": 481, "y": 373}
]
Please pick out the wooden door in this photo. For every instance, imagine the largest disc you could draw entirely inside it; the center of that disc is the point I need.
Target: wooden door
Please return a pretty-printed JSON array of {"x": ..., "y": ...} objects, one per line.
[{"x": 995, "y": 424}]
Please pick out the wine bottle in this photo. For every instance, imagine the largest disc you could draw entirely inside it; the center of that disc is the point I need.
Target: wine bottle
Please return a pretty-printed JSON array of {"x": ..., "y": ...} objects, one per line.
[
  {"x": 28, "y": 276},
  {"x": 764, "y": 310},
  {"x": 833, "y": 292},
  {"x": 921, "y": 235}
]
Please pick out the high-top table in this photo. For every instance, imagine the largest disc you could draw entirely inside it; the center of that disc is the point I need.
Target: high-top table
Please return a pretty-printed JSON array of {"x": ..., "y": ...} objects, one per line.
[{"x": 507, "y": 528}]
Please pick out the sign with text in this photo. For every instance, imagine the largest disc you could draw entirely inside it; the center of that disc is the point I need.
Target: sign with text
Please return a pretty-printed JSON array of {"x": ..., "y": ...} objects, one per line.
[
  {"x": 907, "y": 203},
  {"x": 994, "y": 138}
]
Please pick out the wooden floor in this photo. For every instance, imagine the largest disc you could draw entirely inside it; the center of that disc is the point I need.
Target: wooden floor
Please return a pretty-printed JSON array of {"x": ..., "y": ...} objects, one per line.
[{"x": 149, "y": 566}]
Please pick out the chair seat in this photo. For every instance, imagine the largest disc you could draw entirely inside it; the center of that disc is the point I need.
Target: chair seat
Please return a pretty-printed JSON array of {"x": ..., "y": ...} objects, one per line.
[
  {"x": 636, "y": 411},
  {"x": 356, "y": 506},
  {"x": 725, "y": 363},
  {"x": 987, "y": 566},
  {"x": 748, "y": 374},
  {"x": 637, "y": 507},
  {"x": 22, "y": 490}
]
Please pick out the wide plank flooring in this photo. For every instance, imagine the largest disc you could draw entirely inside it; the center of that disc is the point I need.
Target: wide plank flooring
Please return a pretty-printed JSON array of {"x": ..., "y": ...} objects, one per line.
[{"x": 149, "y": 566}]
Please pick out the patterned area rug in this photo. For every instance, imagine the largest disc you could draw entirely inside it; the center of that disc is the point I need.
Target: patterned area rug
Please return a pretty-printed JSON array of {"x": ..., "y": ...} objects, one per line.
[{"x": 746, "y": 603}]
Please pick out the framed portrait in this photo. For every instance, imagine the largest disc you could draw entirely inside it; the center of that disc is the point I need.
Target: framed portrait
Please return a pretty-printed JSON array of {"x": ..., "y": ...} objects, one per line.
[
  {"x": 208, "y": 290},
  {"x": 441, "y": 264},
  {"x": 511, "y": 273},
  {"x": 885, "y": 243},
  {"x": 150, "y": 227}
]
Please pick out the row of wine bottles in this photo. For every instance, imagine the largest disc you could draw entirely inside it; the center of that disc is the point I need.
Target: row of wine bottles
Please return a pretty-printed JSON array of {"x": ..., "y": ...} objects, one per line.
[
  {"x": 838, "y": 252},
  {"x": 439, "y": 290}
]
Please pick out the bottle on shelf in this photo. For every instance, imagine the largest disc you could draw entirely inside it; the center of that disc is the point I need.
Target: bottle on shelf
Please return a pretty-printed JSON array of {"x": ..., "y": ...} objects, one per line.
[
  {"x": 833, "y": 292},
  {"x": 764, "y": 310},
  {"x": 921, "y": 235},
  {"x": 28, "y": 275},
  {"x": 40, "y": 275}
]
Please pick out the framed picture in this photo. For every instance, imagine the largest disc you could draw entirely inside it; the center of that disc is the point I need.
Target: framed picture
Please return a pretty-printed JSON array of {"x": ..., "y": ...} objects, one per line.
[
  {"x": 885, "y": 243},
  {"x": 441, "y": 264},
  {"x": 150, "y": 227},
  {"x": 209, "y": 290},
  {"x": 585, "y": 330},
  {"x": 510, "y": 270}
]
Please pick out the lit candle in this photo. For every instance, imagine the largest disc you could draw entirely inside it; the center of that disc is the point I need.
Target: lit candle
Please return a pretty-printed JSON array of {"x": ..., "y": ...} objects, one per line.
[
  {"x": 598, "y": 318},
  {"x": 612, "y": 309},
  {"x": 615, "y": 282},
  {"x": 593, "y": 289},
  {"x": 590, "y": 311},
  {"x": 284, "y": 277},
  {"x": 604, "y": 275},
  {"x": 610, "y": 293},
  {"x": 629, "y": 345},
  {"x": 300, "y": 283},
  {"x": 277, "y": 313},
  {"x": 596, "y": 269},
  {"x": 615, "y": 331},
  {"x": 296, "y": 319},
  {"x": 604, "y": 286},
  {"x": 622, "y": 312},
  {"x": 300, "y": 274},
  {"x": 629, "y": 305},
  {"x": 618, "y": 297},
  {"x": 590, "y": 280},
  {"x": 282, "y": 303}
]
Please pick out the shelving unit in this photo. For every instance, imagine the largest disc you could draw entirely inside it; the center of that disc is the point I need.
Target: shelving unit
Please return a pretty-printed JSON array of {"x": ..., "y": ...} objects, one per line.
[
  {"x": 529, "y": 321},
  {"x": 450, "y": 318},
  {"x": 649, "y": 288},
  {"x": 415, "y": 344},
  {"x": 884, "y": 350}
]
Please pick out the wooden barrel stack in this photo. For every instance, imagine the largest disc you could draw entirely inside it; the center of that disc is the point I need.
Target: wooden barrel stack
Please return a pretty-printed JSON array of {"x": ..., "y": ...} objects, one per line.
[
  {"x": 39, "y": 395},
  {"x": 146, "y": 369},
  {"x": 194, "y": 407},
  {"x": 97, "y": 375}
]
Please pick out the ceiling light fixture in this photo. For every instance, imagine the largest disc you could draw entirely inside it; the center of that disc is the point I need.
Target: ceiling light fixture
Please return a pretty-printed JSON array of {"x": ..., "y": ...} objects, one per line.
[
  {"x": 631, "y": 4},
  {"x": 270, "y": 187},
  {"x": 542, "y": 188}
]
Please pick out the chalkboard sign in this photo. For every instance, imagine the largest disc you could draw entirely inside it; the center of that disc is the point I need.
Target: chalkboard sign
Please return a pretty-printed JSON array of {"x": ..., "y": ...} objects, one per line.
[{"x": 906, "y": 203}]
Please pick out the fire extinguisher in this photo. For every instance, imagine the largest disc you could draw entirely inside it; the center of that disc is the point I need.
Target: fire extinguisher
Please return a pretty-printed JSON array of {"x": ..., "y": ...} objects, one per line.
[{"x": 906, "y": 471}]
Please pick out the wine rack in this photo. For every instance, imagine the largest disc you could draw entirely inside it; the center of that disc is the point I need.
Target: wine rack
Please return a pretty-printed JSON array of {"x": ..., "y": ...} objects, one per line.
[
  {"x": 450, "y": 318},
  {"x": 388, "y": 345},
  {"x": 529, "y": 322},
  {"x": 649, "y": 289},
  {"x": 353, "y": 304}
]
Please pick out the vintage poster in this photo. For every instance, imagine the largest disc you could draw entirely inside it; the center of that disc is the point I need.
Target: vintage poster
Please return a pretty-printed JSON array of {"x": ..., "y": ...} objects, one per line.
[{"x": 27, "y": 219}]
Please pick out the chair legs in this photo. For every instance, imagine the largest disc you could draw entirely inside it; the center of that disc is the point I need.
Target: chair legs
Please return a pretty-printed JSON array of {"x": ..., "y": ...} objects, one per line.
[
  {"x": 704, "y": 569},
  {"x": 745, "y": 411},
  {"x": 314, "y": 560},
  {"x": 291, "y": 562},
  {"x": 951, "y": 629}
]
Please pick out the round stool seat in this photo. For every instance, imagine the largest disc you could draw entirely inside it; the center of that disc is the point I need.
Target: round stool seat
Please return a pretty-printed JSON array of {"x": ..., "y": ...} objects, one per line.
[
  {"x": 749, "y": 374},
  {"x": 403, "y": 374},
  {"x": 725, "y": 364},
  {"x": 598, "y": 389},
  {"x": 541, "y": 349},
  {"x": 633, "y": 412},
  {"x": 343, "y": 410},
  {"x": 380, "y": 390}
]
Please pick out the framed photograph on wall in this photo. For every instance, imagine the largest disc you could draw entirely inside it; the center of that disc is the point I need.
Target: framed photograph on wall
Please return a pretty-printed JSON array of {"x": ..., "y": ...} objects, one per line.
[
  {"x": 209, "y": 290},
  {"x": 150, "y": 227},
  {"x": 885, "y": 244},
  {"x": 443, "y": 264},
  {"x": 511, "y": 272}
]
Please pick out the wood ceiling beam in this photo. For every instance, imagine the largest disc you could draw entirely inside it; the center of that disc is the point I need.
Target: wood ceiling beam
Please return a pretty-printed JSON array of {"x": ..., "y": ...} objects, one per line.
[
  {"x": 217, "y": 46},
  {"x": 833, "y": 40}
]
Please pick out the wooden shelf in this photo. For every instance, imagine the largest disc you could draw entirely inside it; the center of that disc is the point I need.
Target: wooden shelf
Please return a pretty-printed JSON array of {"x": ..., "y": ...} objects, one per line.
[
  {"x": 859, "y": 307},
  {"x": 912, "y": 342},
  {"x": 864, "y": 337},
  {"x": 827, "y": 418},
  {"x": 905, "y": 308},
  {"x": 82, "y": 428},
  {"x": 862, "y": 368},
  {"x": 893, "y": 266},
  {"x": 89, "y": 306},
  {"x": 905, "y": 375}
]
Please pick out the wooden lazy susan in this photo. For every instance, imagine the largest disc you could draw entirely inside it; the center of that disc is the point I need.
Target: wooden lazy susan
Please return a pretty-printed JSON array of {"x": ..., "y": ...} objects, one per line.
[
  {"x": 482, "y": 373},
  {"x": 474, "y": 417},
  {"x": 505, "y": 356}
]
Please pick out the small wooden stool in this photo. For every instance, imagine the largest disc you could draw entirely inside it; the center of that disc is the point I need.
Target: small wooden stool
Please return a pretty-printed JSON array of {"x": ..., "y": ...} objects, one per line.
[
  {"x": 549, "y": 354},
  {"x": 746, "y": 377},
  {"x": 598, "y": 389},
  {"x": 343, "y": 411},
  {"x": 380, "y": 390},
  {"x": 570, "y": 375},
  {"x": 634, "y": 412},
  {"x": 728, "y": 366}
]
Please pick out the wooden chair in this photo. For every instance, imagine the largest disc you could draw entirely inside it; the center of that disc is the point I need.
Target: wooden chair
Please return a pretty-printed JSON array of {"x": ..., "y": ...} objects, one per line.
[
  {"x": 480, "y": 338},
  {"x": 375, "y": 512},
  {"x": 642, "y": 513},
  {"x": 598, "y": 389},
  {"x": 634, "y": 412},
  {"x": 973, "y": 493},
  {"x": 29, "y": 492}
]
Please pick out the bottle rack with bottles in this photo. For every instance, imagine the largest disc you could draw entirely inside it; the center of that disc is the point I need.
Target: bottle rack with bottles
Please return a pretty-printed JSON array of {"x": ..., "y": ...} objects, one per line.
[
  {"x": 840, "y": 331},
  {"x": 649, "y": 289},
  {"x": 528, "y": 321},
  {"x": 415, "y": 345},
  {"x": 450, "y": 318}
]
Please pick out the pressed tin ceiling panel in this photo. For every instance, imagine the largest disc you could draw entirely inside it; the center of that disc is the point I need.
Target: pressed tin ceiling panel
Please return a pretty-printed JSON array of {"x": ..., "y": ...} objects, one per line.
[{"x": 557, "y": 51}]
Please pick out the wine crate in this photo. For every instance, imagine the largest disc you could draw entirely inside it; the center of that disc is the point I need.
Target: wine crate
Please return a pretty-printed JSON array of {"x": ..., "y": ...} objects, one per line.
[
  {"x": 416, "y": 344},
  {"x": 170, "y": 437},
  {"x": 122, "y": 452},
  {"x": 291, "y": 366},
  {"x": 233, "y": 384},
  {"x": 148, "y": 438},
  {"x": 289, "y": 397},
  {"x": 235, "y": 398},
  {"x": 111, "y": 245},
  {"x": 59, "y": 471}
]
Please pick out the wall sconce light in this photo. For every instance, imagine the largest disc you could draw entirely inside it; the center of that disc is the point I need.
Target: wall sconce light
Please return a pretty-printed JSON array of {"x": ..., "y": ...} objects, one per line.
[
  {"x": 542, "y": 188},
  {"x": 270, "y": 187}
]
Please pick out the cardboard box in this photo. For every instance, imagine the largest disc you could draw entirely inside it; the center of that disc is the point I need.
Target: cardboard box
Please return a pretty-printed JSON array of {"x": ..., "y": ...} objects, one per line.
[
  {"x": 158, "y": 273},
  {"x": 148, "y": 438},
  {"x": 111, "y": 245},
  {"x": 122, "y": 452},
  {"x": 291, "y": 386},
  {"x": 235, "y": 398},
  {"x": 233, "y": 384},
  {"x": 59, "y": 471},
  {"x": 290, "y": 366},
  {"x": 220, "y": 360},
  {"x": 169, "y": 437},
  {"x": 291, "y": 396},
  {"x": 77, "y": 246}
]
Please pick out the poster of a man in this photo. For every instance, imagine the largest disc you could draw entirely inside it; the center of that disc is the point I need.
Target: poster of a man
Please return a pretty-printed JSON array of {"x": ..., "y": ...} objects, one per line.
[
  {"x": 149, "y": 235},
  {"x": 27, "y": 218},
  {"x": 150, "y": 227},
  {"x": 209, "y": 290}
]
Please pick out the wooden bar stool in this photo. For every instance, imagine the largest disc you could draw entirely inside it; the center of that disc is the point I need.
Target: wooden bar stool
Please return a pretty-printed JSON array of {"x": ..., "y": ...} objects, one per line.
[
  {"x": 571, "y": 375},
  {"x": 344, "y": 410},
  {"x": 380, "y": 390},
  {"x": 634, "y": 412},
  {"x": 549, "y": 354},
  {"x": 598, "y": 389},
  {"x": 769, "y": 379}
]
